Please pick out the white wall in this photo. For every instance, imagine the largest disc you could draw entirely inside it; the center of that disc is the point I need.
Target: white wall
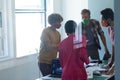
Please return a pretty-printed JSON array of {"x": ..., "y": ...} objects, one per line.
[
  {"x": 71, "y": 10},
  {"x": 95, "y": 7},
  {"x": 117, "y": 39},
  {"x": 25, "y": 68},
  {"x": 0, "y": 28},
  {"x": 57, "y": 6},
  {"x": 0, "y": 5}
]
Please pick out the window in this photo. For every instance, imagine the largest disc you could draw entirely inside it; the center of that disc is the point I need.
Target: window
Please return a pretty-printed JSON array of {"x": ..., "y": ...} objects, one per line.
[
  {"x": 30, "y": 20},
  {"x": 28, "y": 29},
  {"x": 1, "y": 36},
  {"x": 4, "y": 32},
  {"x": 21, "y": 24}
]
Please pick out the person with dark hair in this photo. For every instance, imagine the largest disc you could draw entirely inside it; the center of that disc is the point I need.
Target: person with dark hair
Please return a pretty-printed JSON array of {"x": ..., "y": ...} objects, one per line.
[
  {"x": 72, "y": 59},
  {"x": 50, "y": 39},
  {"x": 91, "y": 29},
  {"x": 107, "y": 20}
]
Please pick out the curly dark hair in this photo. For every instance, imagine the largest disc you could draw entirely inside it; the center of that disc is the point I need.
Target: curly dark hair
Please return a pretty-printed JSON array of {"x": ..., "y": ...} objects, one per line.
[
  {"x": 85, "y": 11},
  {"x": 107, "y": 13}
]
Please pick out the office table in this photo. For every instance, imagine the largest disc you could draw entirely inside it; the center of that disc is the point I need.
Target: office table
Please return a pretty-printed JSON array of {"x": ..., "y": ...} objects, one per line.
[
  {"x": 93, "y": 77},
  {"x": 89, "y": 73}
]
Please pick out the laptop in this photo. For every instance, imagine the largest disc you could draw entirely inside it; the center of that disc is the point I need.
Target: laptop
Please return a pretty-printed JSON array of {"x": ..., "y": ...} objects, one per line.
[{"x": 56, "y": 69}]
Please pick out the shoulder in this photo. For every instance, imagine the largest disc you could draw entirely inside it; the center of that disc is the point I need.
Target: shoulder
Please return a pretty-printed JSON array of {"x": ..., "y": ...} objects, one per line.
[
  {"x": 94, "y": 21},
  {"x": 46, "y": 29},
  {"x": 68, "y": 39},
  {"x": 63, "y": 42}
]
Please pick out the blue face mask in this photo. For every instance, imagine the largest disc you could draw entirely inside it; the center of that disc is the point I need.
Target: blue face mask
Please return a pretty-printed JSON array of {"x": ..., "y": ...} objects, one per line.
[{"x": 85, "y": 21}]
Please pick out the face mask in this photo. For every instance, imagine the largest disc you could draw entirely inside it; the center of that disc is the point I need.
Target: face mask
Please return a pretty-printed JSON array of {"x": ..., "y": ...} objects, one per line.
[
  {"x": 57, "y": 26},
  {"x": 85, "y": 21},
  {"x": 104, "y": 24}
]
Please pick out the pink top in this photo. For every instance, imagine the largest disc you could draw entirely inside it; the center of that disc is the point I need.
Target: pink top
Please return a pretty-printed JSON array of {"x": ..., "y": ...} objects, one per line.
[
  {"x": 72, "y": 60},
  {"x": 111, "y": 33}
]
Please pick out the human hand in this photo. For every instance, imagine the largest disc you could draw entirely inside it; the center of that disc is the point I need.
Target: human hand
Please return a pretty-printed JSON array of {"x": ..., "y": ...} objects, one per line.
[
  {"x": 107, "y": 55},
  {"x": 110, "y": 71}
]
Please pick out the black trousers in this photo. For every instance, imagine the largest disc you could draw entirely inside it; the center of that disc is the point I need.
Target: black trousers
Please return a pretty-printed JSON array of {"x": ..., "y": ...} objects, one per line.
[
  {"x": 93, "y": 54},
  {"x": 45, "y": 68}
]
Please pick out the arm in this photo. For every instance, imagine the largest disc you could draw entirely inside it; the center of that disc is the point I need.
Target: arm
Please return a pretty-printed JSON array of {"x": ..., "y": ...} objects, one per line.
[
  {"x": 83, "y": 51},
  {"x": 85, "y": 56},
  {"x": 102, "y": 36},
  {"x": 104, "y": 43},
  {"x": 60, "y": 56},
  {"x": 46, "y": 41},
  {"x": 112, "y": 39},
  {"x": 112, "y": 58},
  {"x": 111, "y": 70}
]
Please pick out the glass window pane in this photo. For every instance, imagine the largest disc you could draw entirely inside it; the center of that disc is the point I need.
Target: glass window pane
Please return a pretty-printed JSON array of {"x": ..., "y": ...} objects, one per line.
[
  {"x": 0, "y": 19},
  {"x": 1, "y": 43},
  {"x": 29, "y": 4},
  {"x": 1, "y": 37},
  {"x": 28, "y": 30}
]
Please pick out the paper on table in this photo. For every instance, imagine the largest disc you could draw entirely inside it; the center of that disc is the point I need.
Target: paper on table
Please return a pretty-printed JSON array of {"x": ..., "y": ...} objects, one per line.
[{"x": 89, "y": 72}]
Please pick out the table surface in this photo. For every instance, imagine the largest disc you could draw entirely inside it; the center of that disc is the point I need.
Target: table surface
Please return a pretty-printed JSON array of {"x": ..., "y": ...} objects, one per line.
[
  {"x": 89, "y": 73},
  {"x": 95, "y": 77}
]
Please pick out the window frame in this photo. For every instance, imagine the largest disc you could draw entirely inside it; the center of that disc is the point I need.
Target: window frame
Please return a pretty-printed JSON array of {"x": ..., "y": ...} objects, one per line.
[
  {"x": 24, "y": 11},
  {"x": 7, "y": 30},
  {"x": 8, "y": 9}
]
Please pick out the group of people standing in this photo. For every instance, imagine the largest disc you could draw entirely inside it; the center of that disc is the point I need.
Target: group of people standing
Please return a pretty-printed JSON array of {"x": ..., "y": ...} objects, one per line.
[{"x": 73, "y": 55}]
